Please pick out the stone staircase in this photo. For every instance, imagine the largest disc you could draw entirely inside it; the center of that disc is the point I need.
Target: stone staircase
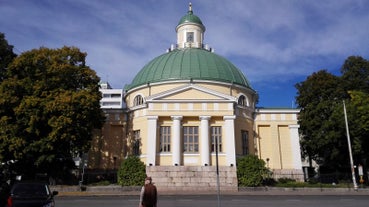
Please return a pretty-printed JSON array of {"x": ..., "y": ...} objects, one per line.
[{"x": 193, "y": 178}]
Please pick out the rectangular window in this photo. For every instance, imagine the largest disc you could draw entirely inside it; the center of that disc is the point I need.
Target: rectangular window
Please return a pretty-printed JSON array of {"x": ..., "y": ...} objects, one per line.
[
  {"x": 165, "y": 139},
  {"x": 189, "y": 36},
  {"x": 191, "y": 139},
  {"x": 136, "y": 142},
  {"x": 245, "y": 142},
  {"x": 115, "y": 95},
  {"x": 216, "y": 138},
  {"x": 111, "y": 103}
]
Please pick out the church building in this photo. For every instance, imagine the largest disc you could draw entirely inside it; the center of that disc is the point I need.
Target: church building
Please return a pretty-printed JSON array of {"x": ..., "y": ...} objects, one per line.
[{"x": 190, "y": 110}]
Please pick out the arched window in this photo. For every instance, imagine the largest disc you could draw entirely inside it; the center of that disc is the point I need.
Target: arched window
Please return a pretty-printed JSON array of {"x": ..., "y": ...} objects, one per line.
[
  {"x": 242, "y": 101},
  {"x": 138, "y": 100}
]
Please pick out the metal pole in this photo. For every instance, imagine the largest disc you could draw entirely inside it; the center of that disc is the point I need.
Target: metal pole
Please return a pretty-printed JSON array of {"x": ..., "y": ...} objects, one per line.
[
  {"x": 217, "y": 164},
  {"x": 349, "y": 148}
]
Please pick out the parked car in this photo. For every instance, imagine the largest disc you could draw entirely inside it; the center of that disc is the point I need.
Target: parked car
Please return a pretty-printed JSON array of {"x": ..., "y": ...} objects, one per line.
[
  {"x": 4, "y": 193},
  {"x": 31, "y": 194}
]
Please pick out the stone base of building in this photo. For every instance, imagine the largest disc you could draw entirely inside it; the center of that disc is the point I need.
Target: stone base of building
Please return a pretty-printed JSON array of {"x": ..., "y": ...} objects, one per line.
[
  {"x": 295, "y": 174},
  {"x": 193, "y": 178}
]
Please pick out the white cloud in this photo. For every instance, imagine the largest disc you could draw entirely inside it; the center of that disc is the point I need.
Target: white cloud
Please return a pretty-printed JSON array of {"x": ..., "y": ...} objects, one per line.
[{"x": 270, "y": 41}]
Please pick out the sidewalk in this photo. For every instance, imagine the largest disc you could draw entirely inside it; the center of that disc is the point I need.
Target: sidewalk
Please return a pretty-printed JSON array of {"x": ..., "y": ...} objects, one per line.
[{"x": 115, "y": 190}]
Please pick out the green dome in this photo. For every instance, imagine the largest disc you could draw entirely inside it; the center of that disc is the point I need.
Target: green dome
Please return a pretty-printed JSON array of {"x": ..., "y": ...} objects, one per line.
[
  {"x": 187, "y": 64},
  {"x": 190, "y": 18}
]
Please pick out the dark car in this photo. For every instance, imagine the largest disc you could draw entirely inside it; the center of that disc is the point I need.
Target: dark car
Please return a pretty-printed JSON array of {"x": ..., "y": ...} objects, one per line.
[
  {"x": 4, "y": 193},
  {"x": 31, "y": 194}
]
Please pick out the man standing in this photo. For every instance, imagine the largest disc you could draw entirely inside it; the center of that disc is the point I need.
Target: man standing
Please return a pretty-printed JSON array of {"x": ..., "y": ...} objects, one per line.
[{"x": 148, "y": 195}]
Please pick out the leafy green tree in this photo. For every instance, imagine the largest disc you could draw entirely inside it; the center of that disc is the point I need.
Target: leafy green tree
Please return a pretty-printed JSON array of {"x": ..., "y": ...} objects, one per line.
[
  {"x": 321, "y": 118},
  {"x": 355, "y": 80},
  {"x": 358, "y": 109},
  {"x": 132, "y": 172},
  {"x": 355, "y": 74},
  {"x": 49, "y": 106},
  {"x": 6, "y": 55},
  {"x": 317, "y": 98},
  {"x": 251, "y": 171}
]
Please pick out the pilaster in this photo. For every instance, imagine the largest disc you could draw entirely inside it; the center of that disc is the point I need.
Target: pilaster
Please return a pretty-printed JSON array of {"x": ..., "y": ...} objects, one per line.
[
  {"x": 295, "y": 145},
  {"x": 230, "y": 137},
  {"x": 151, "y": 139}
]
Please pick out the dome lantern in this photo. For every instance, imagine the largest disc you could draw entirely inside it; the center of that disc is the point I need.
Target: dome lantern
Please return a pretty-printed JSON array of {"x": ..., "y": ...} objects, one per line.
[
  {"x": 190, "y": 31},
  {"x": 190, "y": 61}
]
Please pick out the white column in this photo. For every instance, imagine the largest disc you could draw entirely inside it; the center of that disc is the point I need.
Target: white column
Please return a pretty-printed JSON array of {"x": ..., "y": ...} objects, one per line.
[
  {"x": 176, "y": 137},
  {"x": 151, "y": 140},
  {"x": 230, "y": 146},
  {"x": 204, "y": 140},
  {"x": 295, "y": 144}
]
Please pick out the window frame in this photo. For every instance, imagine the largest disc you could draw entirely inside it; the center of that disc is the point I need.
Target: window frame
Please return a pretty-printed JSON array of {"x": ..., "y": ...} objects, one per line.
[
  {"x": 216, "y": 133},
  {"x": 190, "y": 139},
  {"x": 138, "y": 100},
  {"x": 190, "y": 37},
  {"x": 242, "y": 101},
  {"x": 245, "y": 142},
  {"x": 165, "y": 139},
  {"x": 136, "y": 149}
]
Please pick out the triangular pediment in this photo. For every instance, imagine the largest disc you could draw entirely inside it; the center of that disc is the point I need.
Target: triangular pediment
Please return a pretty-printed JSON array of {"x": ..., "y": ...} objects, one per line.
[{"x": 190, "y": 93}]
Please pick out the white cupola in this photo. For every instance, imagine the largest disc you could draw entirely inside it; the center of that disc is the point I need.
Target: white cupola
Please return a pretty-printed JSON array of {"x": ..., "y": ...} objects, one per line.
[{"x": 190, "y": 31}]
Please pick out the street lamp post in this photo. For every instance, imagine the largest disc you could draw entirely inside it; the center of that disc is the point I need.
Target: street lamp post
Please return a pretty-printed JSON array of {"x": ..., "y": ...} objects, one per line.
[
  {"x": 349, "y": 148},
  {"x": 217, "y": 166}
]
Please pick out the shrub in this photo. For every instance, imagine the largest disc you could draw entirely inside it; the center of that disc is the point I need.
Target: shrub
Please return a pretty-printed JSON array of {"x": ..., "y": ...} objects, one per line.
[
  {"x": 286, "y": 180},
  {"x": 250, "y": 171},
  {"x": 269, "y": 182},
  {"x": 132, "y": 172}
]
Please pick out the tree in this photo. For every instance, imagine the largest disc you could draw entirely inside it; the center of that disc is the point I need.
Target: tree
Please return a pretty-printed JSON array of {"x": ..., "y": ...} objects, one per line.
[
  {"x": 355, "y": 81},
  {"x": 250, "y": 171},
  {"x": 321, "y": 118},
  {"x": 49, "y": 105},
  {"x": 359, "y": 131},
  {"x": 355, "y": 74},
  {"x": 317, "y": 98},
  {"x": 6, "y": 55}
]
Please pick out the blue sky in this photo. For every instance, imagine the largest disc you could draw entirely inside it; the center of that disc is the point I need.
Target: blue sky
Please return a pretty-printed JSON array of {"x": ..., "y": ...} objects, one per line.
[{"x": 275, "y": 43}]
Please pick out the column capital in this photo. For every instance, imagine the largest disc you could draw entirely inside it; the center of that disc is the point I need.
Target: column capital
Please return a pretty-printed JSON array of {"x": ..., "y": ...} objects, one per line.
[
  {"x": 176, "y": 117},
  {"x": 204, "y": 117},
  {"x": 294, "y": 126},
  {"x": 152, "y": 117},
  {"x": 229, "y": 117}
]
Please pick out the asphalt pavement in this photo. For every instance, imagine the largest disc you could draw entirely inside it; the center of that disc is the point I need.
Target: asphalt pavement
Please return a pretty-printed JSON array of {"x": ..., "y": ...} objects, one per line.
[
  {"x": 223, "y": 201},
  {"x": 115, "y": 190}
]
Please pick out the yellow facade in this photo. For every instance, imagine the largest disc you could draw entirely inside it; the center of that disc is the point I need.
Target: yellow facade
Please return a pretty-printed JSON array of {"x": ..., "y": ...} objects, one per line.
[
  {"x": 277, "y": 141},
  {"x": 272, "y": 133},
  {"x": 191, "y": 101}
]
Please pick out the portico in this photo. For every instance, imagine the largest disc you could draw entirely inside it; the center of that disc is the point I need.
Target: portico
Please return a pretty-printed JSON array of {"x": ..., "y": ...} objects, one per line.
[{"x": 199, "y": 140}]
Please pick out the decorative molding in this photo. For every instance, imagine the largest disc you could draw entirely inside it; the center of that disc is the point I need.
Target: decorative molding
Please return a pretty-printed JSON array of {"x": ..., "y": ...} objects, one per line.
[
  {"x": 222, "y": 97},
  {"x": 232, "y": 117},
  {"x": 176, "y": 117},
  {"x": 276, "y": 111},
  {"x": 204, "y": 117}
]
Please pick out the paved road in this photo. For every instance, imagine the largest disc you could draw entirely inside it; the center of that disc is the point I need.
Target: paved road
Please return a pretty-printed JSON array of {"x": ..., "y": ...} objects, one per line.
[{"x": 225, "y": 201}]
